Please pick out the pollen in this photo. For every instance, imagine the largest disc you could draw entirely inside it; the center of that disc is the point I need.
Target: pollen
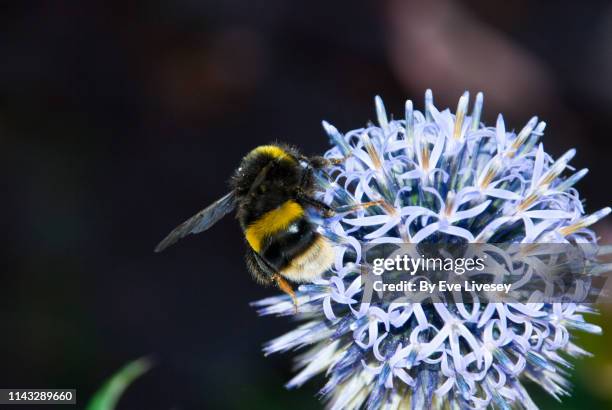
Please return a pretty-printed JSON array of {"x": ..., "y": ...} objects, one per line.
[
  {"x": 527, "y": 202},
  {"x": 425, "y": 156},
  {"x": 461, "y": 108}
]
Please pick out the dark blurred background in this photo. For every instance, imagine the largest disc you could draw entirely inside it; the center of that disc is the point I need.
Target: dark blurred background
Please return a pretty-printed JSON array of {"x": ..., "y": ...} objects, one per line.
[{"x": 120, "y": 119}]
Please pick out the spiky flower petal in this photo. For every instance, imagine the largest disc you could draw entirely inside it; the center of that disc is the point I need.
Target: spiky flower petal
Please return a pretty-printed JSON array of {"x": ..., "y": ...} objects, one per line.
[{"x": 440, "y": 177}]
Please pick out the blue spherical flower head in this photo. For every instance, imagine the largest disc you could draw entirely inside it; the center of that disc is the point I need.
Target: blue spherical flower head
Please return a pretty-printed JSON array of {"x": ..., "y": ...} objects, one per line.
[{"x": 438, "y": 177}]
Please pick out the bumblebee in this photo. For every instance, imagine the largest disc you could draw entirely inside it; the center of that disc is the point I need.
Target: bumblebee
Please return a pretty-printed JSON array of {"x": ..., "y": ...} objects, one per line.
[{"x": 271, "y": 191}]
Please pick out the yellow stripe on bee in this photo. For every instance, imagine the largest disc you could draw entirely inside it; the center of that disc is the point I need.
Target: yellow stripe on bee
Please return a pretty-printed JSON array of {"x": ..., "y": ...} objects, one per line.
[
  {"x": 273, "y": 151},
  {"x": 272, "y": 222}
]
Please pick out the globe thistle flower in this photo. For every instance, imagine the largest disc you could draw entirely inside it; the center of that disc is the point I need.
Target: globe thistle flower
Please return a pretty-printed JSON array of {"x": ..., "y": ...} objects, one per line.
[{"x": 439, "y": 177}]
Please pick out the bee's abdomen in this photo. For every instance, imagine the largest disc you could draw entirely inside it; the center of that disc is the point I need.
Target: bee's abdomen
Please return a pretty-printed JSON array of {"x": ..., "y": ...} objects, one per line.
[
  {"x": 299, "y": 253},
  {"x": 307, "y": 261},
  {"x": 288, "y": 241},
  {"x": 284, "y": 246},
  {"x": 273, "y": 223}
]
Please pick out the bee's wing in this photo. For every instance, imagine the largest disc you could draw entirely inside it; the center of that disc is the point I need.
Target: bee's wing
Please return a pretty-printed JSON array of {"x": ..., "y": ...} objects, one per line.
[{"x": 201, "y": 221}]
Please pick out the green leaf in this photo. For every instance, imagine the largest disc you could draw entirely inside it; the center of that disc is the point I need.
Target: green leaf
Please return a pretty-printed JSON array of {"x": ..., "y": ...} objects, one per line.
[{"x": 107, "y": 397}]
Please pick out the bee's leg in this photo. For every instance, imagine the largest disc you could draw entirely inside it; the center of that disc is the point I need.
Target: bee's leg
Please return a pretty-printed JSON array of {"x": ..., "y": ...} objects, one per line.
[
  {"x": 264, "y": 273},
  {"x": 287, "y": 288},
  {"x": 319, "y": 162},
  {"x": 329, "y": 211},
  {"x": 259, "y": 273},
  {"x": 362, "y": 205},
  {"x": 305, "y": 197}
]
